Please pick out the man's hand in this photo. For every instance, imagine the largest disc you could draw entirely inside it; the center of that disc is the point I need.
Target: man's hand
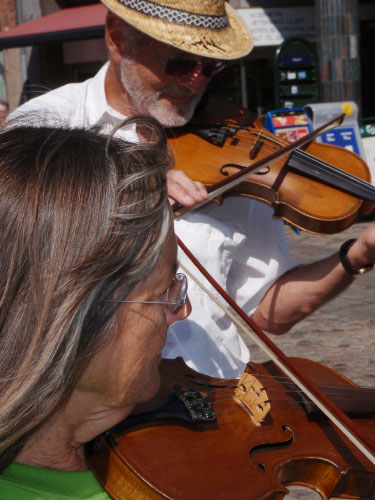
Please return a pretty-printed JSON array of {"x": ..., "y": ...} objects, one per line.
[
  {"x": 362, "y": 252},
  {"x": 184, "y": 190}
]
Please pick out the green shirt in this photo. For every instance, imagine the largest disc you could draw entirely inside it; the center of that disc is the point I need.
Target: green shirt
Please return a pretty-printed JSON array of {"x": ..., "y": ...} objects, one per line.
[{"x": 25, "y": 482}]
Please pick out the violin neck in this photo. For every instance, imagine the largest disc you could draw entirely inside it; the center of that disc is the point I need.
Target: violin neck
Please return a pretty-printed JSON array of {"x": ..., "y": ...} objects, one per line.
[
  {"x": 312, "y": 167},
  {"x": 355, "y": 403}
]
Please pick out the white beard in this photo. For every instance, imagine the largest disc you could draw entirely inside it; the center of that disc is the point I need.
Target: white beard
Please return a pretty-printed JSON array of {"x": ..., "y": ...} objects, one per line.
[{"x": 147, "y": 100}]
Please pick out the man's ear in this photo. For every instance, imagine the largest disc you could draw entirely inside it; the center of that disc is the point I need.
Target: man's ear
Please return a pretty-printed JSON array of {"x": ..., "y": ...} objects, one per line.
[{"x": 115, "y": 36}]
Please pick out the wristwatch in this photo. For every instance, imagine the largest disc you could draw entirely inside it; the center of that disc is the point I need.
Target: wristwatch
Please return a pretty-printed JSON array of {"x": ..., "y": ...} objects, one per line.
[{"x": 346, "y": 264}]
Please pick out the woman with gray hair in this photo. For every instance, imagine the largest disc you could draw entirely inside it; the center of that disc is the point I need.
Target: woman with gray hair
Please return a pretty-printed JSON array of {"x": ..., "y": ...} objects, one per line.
[{"x": 87, "y": 288}]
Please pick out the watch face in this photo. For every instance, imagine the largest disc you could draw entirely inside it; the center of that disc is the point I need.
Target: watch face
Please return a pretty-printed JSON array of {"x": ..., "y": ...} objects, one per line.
[{"x": 364, "y": 270}]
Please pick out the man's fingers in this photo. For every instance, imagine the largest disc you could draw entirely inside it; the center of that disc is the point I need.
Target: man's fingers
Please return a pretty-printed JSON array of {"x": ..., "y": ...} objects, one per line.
[{"x": 184, "y": 190}]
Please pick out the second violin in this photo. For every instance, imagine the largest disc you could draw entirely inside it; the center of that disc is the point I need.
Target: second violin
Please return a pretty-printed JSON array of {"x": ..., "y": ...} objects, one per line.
[{"x": 229, "y": 456}]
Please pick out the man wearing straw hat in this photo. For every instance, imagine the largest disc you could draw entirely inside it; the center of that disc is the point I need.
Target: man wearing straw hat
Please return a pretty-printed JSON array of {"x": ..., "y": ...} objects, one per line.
[{"x": 163, "y": 54}]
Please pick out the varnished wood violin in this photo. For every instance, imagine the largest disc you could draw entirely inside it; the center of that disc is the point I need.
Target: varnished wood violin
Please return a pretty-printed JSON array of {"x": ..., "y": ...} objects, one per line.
[
  {"x": 166, "y": 454},
  {"x": 319, "y": 188},
  {"x": 201, "y": 444}
]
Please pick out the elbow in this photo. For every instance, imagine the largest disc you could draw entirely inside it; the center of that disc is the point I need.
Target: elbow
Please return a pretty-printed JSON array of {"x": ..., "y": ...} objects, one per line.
[
  {"x": 280, "y": 321},
  {"x": 270, "y": 325},
  {"x": 276, "y": 315},
  {"x": 280, "y": 329}
]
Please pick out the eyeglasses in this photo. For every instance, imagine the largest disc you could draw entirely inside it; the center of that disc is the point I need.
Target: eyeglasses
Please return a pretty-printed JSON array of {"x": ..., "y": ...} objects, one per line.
[
  {"x": 175, "y": 295},
  {"x": 182, "y": 66}
]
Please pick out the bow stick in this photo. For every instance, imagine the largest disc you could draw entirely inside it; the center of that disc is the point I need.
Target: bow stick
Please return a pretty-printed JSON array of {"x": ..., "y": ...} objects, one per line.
[{"x": 345, "y": 424}]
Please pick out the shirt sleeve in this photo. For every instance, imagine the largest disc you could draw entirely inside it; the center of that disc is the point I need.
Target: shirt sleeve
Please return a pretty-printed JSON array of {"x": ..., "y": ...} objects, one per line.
[
  {"x": 262, "y": 255},
  {"x": 244, "y": 249}
]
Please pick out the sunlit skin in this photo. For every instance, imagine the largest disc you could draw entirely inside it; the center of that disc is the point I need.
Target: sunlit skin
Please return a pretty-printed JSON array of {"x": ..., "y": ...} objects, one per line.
[
  {"x": 169, "y": 99},
  {"x": 136, "y": 83},
  {"x": 3, "y": 111},
  {"x": 122, "y": 374}
]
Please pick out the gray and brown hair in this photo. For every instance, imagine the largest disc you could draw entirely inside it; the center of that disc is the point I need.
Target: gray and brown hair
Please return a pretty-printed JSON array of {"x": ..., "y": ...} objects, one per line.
[{"x": 82, "y": 217}]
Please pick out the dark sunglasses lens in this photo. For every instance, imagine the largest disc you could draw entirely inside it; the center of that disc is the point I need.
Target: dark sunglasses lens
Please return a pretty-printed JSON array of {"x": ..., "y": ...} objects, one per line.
[{"x": 180, "y": 66}]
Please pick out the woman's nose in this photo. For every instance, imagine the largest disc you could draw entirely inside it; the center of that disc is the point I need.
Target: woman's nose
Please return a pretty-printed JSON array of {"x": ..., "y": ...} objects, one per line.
[{"x": 181, "y": 314}]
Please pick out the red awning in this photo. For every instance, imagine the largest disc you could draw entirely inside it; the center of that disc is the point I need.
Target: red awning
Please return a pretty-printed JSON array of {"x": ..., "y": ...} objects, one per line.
[{"x": 76, "y": 23}]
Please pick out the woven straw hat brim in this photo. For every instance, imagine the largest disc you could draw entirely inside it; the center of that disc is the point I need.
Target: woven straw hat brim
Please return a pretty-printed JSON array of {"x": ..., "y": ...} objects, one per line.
[{"x": 231, "y": 42}]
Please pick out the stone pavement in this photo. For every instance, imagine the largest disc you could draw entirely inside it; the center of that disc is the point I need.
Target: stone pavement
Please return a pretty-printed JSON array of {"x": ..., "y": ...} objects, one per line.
[{"x": 342, "y": 333}]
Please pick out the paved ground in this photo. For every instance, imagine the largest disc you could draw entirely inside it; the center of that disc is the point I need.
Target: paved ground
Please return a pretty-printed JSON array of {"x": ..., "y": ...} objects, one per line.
[{"x": 341, "y": 334}]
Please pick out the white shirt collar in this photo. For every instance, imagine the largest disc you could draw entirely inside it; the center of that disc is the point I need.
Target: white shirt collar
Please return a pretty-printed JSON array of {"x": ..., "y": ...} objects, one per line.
[{"x": 102, "y": 114}]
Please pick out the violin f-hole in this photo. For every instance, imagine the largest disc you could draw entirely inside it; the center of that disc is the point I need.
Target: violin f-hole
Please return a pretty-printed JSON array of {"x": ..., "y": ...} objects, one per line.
[
  {"x": 280, "y": 445},
  {"x": 264, "y": 171}
]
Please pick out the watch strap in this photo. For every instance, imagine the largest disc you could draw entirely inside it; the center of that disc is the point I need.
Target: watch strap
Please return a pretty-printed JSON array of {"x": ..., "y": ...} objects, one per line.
[{"x": 346, "y": 264}]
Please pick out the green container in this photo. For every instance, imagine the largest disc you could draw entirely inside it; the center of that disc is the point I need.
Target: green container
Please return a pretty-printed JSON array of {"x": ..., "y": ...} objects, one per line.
[
  {"x": 367, "y": 127},
  {"x": 296, "y": 74}
]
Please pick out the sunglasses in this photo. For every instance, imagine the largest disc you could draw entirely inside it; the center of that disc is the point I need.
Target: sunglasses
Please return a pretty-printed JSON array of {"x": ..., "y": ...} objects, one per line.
[{"x": 182, "y": 66}]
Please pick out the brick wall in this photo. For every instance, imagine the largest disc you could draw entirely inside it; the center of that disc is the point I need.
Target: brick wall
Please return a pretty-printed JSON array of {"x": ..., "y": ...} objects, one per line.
[
  {"x": 11, "y": 57},
  {"x": 8, "y": 14},
  {"x": 338, "y": 41}
]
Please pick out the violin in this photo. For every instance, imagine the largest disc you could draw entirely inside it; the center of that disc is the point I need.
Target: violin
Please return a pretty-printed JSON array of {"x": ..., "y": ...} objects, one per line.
[
  {"x": 211, "y": 448},
  {"x": 245, "y": 439},
  {"x": 319, "y": 188}
]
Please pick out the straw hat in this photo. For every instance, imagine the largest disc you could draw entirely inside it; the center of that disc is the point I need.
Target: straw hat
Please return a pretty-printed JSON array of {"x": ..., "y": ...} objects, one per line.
[{"x": 209, "y": 28}]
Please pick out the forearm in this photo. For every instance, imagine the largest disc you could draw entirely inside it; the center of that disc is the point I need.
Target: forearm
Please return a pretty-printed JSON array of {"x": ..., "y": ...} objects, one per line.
[{"x": 304, "y": 289}]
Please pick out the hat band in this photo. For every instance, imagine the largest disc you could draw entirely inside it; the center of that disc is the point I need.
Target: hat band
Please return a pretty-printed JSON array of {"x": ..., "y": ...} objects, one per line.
[{"x": 177, "y": 16}]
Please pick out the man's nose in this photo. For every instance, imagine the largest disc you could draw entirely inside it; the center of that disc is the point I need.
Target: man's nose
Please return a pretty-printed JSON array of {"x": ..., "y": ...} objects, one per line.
[{"x": 195, "y": 81}]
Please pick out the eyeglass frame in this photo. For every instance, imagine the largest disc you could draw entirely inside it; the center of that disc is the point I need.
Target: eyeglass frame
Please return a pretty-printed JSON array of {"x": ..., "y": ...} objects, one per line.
[
  {"x": 178, "y": 304},
  {"x": 217, "y": 66}
]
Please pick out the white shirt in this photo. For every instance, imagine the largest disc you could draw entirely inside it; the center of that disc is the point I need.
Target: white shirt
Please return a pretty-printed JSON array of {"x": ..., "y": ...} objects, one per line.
[{"x": 239, "y": 243}]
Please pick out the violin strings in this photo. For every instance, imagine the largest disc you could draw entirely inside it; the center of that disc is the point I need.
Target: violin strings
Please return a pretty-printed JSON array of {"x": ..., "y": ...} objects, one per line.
[
  {"x": 317, "y": 168},
  {"x": 288, "y": 385},
  {"x": 273, "y": 400},
  {"x": 291, "y": 403},
  {"x": 270, "y": 137},
  {"x": 272, "y": 391},
  {"x": 341, "y": 388},
  {"x": 273, "y": 139},
  {"x": 265, "y": 133},
  {"x": 342, "y": 395},
  {"x": 287, "y": 400}
]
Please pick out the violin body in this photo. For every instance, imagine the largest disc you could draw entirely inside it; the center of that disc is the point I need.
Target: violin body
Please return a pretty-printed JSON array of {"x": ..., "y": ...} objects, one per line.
[
  {"x": 233, "y": 458},
  {"x": 303, "y": 201}
]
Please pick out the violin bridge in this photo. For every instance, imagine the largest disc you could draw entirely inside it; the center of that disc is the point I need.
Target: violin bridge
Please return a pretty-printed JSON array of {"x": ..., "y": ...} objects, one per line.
[{"x": 252, "y": 397}]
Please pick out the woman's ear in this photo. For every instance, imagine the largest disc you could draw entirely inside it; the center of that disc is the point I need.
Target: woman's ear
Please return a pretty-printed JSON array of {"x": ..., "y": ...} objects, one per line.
[{"x": 115, "y": 37}]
